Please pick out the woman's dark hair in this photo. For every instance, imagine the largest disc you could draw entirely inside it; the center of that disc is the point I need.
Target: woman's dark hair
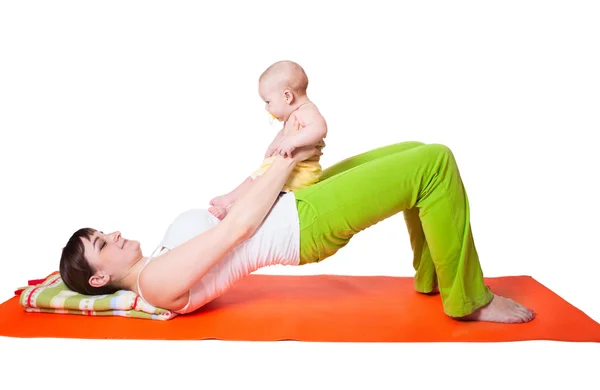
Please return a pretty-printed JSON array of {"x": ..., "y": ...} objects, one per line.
[{"x": 75, "y": 270}]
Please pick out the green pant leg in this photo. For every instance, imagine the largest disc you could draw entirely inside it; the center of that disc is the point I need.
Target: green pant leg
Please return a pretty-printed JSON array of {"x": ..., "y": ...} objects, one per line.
[
  {"x": 426, "y": 177},
  {"x": 367, "y": 156},
  {"x": 425, "y": 277}
]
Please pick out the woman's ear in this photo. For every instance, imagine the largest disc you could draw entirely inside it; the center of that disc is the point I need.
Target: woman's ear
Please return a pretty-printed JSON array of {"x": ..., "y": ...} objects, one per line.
[{"x": 99, "y": 280}]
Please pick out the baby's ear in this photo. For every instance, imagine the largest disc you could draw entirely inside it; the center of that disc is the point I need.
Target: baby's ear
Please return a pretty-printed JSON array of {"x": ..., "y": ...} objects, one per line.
[{"x": 289, "y": 96}]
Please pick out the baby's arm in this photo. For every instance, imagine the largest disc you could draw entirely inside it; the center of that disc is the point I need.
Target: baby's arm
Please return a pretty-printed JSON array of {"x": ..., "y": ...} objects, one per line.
[{"x": 313, "y": 129}]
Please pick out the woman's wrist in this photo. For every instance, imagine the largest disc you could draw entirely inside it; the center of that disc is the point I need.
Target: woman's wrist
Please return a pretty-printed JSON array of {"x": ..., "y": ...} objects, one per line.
[{"x": 286, "y": 162}]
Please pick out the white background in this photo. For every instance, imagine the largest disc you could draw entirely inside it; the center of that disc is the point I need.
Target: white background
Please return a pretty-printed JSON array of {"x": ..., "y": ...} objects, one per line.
[{"x": 119, "y": 115}]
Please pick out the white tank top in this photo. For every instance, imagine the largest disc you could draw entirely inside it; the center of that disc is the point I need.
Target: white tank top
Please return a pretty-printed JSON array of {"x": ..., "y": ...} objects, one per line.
[{"x": 276, "y": 241}]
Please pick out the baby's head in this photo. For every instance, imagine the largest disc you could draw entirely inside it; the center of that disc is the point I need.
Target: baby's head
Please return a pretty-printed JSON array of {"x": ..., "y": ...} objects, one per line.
[{"x": 283, "y": 88}]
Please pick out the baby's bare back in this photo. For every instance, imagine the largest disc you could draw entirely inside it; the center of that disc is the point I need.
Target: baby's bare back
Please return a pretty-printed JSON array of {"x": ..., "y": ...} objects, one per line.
[{"x": 305, "y": 115}]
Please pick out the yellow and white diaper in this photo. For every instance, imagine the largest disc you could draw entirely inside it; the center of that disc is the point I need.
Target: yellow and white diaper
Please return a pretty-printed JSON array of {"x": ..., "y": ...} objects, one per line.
[{"x": 305, "y": 173}]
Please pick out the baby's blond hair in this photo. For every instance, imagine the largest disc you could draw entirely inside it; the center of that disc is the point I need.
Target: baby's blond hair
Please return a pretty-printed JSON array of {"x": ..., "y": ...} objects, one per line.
[{"x": 287, "y": 74}]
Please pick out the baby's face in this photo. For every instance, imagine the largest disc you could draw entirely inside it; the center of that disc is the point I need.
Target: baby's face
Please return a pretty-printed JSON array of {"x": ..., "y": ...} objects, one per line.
[{"x": 275, "y": 102}]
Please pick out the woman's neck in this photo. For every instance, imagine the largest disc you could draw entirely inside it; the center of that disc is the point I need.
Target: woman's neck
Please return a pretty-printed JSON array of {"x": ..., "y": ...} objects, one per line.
[{"x": 130, "y": 278}]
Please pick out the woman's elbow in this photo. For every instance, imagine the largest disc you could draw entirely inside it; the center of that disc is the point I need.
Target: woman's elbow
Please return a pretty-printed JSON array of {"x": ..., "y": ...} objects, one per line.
[
  {"x": 245, "y": 231},
  {"x": 239, "y": 229}
]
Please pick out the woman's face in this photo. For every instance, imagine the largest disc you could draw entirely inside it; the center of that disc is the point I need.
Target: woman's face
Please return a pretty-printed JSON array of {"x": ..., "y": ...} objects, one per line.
[{"x": 111, "y": 255}]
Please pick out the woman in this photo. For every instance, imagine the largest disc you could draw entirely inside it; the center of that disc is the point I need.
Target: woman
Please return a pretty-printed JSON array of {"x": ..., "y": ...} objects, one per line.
[{"x": 201, "y": 257}]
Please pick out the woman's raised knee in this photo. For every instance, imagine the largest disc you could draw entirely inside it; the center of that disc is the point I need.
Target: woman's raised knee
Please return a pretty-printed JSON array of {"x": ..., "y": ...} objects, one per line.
[
  {"x": 412, "y": 143},
  {"x": 440, "y": 149}
]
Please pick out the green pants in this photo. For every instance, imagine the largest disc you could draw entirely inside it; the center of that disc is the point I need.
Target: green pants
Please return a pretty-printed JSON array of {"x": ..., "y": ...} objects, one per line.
[{"x": 422, "y": 181}]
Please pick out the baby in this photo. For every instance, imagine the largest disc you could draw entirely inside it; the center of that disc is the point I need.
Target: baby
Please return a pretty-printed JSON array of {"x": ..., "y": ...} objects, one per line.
[{"x": 283, "y": 88}]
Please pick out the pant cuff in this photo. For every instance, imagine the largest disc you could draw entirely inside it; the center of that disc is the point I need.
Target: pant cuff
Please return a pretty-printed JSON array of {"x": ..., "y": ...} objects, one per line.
[{"x": 470, "y": 306}]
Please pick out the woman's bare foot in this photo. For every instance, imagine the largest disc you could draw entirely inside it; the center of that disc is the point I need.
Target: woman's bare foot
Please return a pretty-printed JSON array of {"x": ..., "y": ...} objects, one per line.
[
  {"x": 218, "y": 211},
  {"x": 503, "y": 310}
]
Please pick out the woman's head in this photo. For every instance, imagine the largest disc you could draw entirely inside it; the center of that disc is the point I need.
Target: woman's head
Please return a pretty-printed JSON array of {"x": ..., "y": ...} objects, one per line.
[{"x": 94, "y": 263}]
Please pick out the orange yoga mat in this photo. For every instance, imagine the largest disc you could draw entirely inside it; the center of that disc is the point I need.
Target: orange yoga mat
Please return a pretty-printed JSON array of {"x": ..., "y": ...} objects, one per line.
[{"x": 327, "y": 308}]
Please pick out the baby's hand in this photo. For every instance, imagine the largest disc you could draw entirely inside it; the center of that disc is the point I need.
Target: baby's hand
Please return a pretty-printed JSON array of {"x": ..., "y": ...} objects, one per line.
[{"x": 286, "y": 147}]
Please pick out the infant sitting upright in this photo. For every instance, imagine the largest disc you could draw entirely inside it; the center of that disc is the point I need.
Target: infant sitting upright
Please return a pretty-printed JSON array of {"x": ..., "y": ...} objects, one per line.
[{"x": 283, "y": 88}]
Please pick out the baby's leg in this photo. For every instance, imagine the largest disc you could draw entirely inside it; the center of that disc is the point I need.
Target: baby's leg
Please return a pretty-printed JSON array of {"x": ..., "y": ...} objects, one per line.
[
  {"x": 228, "y": 199},
  {"x": 221, "y": 204}
]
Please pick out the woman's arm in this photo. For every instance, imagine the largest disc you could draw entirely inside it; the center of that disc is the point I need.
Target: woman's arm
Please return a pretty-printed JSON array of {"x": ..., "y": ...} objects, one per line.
[
  {"x": 274, "y": 144},
  {"x": 172, "y": 274},
  {"x": 250, "y": 210}
]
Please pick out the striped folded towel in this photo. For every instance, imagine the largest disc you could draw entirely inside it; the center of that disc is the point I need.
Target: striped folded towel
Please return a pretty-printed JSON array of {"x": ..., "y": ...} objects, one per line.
[{"x": 51, "y": 295}]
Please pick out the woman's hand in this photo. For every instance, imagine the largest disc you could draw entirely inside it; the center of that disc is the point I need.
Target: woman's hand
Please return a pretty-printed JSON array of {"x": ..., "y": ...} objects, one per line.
[
  {"x": 299, "y": 154},
  {"x": 305, "y": 152}
]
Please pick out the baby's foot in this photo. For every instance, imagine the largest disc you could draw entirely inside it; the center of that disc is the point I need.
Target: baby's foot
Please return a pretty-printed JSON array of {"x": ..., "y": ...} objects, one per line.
[
  {"x": 218, "y": 211},
  {"x": 220, "y": 201}
]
